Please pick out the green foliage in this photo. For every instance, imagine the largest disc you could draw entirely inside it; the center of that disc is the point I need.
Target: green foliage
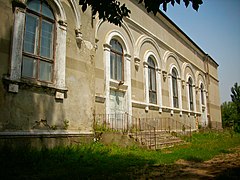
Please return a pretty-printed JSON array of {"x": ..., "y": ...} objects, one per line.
[
  {"x": 53, "y": 127},
  {"x": 153, "y": 6},
  {"x": 231, "y": 110},
  {"x": 98, "y": 161},
  {"x": 110, "y": 10},
  {"x": 103, "y": 128},
  {"x": 229, "y": 114},
  {"x": 65, "y": 124},
  {"x": 236, "y": 96},
  {"x": 114, "y": 12}
]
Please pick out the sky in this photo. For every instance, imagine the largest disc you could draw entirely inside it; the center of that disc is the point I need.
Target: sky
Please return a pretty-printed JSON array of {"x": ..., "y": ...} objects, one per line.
[{"x": 215, "y": 28}]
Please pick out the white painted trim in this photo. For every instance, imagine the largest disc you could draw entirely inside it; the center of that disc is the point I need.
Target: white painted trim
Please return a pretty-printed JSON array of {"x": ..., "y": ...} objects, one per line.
[
  {"x": 76, "y": 12},
  {"x": 171, "y": 88},
  {"x": 145, "y": 39},
  {"x": 150, "y": 34},
  {"x": 158, "y": 79},
  {"x": 124, "y": 26},
  {"x": 17, "y": 44},
  {"x": 144, "y": 105},
  {"x": 114, "y": 34},
  {"x": 168, "y": 54},
  {"x": 184, "y": 66},
  {"x": 60, "y": 49}
]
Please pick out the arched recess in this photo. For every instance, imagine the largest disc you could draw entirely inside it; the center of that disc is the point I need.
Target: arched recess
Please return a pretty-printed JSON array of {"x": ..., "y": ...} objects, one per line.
[
  {"x": 167, "y": 68},
  {"x": 191, "y": 91},
  {"x": 200, "y": 76},
  {"x": 124, "y": 26},
  {"x": 202, "y": 96},
  {"x": 58, "y": 10},
  {"x": 76, "y": 12},
  {"x": 150, "y": 54},
  {"x": 114, "y": 34},
  {"x": 120, "y": 90},
  {"x": 186, "y": 66},
  {"x": 174, "y": 66},
  {"x": 78, "y": 24},
  {"x": 139, "y": 44}
]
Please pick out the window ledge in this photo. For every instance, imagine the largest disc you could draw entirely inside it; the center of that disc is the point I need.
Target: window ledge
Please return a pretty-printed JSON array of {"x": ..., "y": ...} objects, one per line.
[
  {"x": 15, "y": 85},
  {"x": 118, "y": 85}
]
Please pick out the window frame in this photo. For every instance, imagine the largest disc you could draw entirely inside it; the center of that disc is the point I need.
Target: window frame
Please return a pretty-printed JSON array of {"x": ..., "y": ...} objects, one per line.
[
  {"x": 190, "y": 94},
  {"x": 152, "y": 73},
  {"x": 202, "y": 94},
  {"x": 116, "y": 53},
  {"x": 41, "y": 17},
  {"x": 175, "y": 96},
  {"x": 14, "y": 78}
]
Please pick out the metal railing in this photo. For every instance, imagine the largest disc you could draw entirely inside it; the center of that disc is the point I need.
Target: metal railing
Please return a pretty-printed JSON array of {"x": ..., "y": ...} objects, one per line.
[
  {"x": 169, "y": 125},
  {"x": 111, "y": 122},
  {"x": 144, "y": 133},
  {"x": 142, "y": 129}
]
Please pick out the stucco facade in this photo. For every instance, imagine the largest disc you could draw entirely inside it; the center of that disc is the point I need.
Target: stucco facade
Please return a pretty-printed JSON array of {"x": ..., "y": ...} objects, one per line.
[
  {"x": 145, "y": 35},
  {"x": 82, "y": 83},
  {"x": 68, "y": 101}
]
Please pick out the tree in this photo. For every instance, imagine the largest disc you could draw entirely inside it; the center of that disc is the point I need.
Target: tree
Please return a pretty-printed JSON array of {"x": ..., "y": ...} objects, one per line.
[
  {"x": 236, "y": 96},
  {"x": 231, "y": 110},
  {"x": 236, "y": 101},
  {"x": 229, "y": 114},
  {"x": 113, "y": 11}
]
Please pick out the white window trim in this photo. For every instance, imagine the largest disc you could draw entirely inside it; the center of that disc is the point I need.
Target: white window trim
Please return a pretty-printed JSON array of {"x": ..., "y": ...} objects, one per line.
[
  {"x": 158, "y": 81},
  {"x": 111, "y": 84},
  {"x": 188, "y": 94},
  {"x": 203, "y": 106},
  {"x": 171, "y": 91},
  {"x": 60, "y": 53}
]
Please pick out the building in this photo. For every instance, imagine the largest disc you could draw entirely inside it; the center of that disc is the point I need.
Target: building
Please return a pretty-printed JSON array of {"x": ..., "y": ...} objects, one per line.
[{"x": 60, "y": 67}]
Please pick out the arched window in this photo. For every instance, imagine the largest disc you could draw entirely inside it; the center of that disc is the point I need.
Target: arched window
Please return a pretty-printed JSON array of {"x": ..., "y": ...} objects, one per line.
[
  {"x": 202, "y": 94},
  {"x": 190, "y": 91},
  {"x": 175, "y": 88},
  {"x": 152, "y": 81},
  {"x": 116, "y": 61},
  {"x": 38, "y": 45}
]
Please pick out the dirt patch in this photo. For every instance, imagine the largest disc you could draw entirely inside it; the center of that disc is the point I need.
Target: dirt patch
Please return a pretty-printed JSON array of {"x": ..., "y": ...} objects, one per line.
[{"x": 223, "y": 166}]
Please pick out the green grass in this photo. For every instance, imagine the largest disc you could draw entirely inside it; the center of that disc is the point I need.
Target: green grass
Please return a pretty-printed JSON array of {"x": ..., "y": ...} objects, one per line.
[{"x": 97, "y": 161}]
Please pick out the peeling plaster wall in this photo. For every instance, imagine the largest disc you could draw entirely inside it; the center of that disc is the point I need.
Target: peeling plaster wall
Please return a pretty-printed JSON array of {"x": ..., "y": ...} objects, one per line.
[
  {"x": 36, "y": 108},
  {"x": 145, "y": 32}
]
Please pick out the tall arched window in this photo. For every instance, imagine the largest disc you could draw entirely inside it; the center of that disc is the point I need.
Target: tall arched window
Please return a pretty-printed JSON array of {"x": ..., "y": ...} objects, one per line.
[
  {"x": 38, "y": 45},
  {"x": 190, "y": 91},
  {"x": 202, "y": 94},
  {"x": 116, "y": 61},
  {"x": 152, "y": 81},
  {"x": 175, "y": 88}
]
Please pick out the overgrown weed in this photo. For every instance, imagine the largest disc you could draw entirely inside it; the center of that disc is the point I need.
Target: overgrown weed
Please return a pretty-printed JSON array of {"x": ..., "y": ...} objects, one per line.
[{"x": 97, "y": 160}]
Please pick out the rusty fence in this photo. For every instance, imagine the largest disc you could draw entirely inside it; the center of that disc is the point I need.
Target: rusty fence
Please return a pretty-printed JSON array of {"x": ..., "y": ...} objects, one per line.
[
  {"x": 143, "y": 132},
  {"x": 142, "y": 129},
  {"x": 111, "y": 122},
  {"x": 169, "y": 125}
]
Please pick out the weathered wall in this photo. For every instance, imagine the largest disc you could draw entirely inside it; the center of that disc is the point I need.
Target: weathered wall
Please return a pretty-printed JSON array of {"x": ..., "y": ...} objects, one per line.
[
  {"x": 143, "y": 33},
  {"x": 36, "y": 107}
]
